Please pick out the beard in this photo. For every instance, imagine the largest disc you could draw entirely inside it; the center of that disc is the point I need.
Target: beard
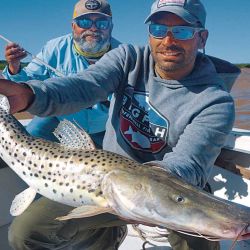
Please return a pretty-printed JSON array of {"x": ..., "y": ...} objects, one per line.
[
  {"x": 96, "y": 45},
  {"x": 173, "y": 64},
  {"x": 168, "y": 64}
]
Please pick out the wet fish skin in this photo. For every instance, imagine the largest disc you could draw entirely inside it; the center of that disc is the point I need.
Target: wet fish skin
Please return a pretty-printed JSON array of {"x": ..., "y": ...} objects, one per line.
[
  {"x": 107, "y": 182},
  {"x": 167, "y": 201},
  {"x": 66, "y": 175}
]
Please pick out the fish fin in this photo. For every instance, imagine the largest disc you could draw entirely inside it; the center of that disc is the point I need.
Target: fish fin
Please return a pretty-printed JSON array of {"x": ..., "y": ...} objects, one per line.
[
  {"x": 73, "y": 136},
  {"x": 22, "y": 201},
  {"x": 4, "y": 103},
  {"x": 86, "y": 211}
]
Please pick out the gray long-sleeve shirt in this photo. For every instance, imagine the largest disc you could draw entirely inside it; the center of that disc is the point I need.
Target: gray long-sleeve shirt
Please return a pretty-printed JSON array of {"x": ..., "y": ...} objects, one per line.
[{"x": 180, "y": 124}]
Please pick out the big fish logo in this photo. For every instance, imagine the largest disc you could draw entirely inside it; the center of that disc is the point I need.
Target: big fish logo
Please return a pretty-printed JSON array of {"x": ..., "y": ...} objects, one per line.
[{"x": 142, "y": 127}]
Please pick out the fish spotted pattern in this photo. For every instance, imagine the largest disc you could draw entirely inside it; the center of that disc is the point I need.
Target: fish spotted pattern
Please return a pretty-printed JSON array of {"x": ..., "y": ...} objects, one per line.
[{"x": 98, "y": 181}]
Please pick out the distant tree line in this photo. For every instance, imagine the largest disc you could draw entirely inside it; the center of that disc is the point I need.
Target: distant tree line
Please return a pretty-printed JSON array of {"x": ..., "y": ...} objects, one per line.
[
  {"x": 243, "y": 65},
  {"x": 3, "y": 63}
]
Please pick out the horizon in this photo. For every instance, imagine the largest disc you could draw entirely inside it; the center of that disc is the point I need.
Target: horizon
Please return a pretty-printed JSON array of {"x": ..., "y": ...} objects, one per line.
[{"x": 24, "y": 63}]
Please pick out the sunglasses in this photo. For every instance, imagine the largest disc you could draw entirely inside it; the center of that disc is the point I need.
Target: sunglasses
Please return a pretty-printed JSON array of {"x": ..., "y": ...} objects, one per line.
[
  {"x": 86, "y": 23},
  {"x": 179, "y": 32}
]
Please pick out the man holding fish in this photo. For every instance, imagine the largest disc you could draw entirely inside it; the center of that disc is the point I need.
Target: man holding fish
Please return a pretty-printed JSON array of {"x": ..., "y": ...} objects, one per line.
[{"x": 169, "y": 107}]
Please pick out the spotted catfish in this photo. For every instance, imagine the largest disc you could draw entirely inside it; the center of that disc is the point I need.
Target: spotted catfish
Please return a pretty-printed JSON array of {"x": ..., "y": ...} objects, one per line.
[{"x": 96, "y": 181}]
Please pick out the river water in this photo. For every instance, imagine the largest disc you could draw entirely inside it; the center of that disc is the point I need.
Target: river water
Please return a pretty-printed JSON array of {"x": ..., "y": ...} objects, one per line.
[{"x": 241, "y": 94}]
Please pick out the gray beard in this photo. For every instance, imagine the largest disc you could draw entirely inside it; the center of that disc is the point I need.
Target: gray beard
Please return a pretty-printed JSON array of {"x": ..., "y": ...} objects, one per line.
[{"x": 94, "y": 46}]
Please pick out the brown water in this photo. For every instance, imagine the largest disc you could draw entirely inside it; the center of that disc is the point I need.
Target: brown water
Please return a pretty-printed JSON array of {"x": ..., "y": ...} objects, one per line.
[{"x": 240, "y": 93}]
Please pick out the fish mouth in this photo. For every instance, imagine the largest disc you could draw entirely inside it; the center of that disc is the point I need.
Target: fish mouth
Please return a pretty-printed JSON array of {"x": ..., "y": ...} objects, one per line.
[
  {"x": 242, "y": 234},
  {"x": 245, "y": 234}
]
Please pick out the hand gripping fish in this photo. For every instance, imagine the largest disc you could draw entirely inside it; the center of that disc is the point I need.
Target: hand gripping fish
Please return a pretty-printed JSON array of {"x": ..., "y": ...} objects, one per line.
[{"x": 96, "y": 181}]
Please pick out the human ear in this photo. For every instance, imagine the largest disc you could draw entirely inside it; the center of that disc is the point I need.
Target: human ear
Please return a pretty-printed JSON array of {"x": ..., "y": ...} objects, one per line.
[{"x": 203, "y": 39}]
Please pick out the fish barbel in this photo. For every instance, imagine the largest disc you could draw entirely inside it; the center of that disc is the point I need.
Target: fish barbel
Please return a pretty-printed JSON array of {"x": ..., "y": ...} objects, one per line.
[{"x": 98, "y": 181}]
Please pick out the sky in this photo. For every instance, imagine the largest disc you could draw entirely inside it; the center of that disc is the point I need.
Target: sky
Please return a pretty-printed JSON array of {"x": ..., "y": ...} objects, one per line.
[{"x": 33, "y": 22}]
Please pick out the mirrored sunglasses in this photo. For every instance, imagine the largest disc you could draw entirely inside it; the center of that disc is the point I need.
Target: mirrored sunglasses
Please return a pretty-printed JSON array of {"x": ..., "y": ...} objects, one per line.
[
  {"x": 179, "y": 32},
  {"x": 86, "y": 23}
]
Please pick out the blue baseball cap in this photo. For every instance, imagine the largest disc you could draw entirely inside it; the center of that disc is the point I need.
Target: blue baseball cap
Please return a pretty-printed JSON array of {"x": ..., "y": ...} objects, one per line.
[{"x": 192, "y": 11}]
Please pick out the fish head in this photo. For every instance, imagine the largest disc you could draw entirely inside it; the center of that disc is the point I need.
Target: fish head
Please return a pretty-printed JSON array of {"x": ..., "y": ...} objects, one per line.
[{"x": 159, "y": 198}]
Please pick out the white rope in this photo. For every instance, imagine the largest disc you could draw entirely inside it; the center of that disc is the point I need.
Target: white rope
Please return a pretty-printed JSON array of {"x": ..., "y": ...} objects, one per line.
[{"x": 148, "y": 234}]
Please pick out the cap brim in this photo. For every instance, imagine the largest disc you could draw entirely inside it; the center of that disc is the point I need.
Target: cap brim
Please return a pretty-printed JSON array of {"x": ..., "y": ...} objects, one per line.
[
  {"x": 179, "y": 11},
  {"x": 99, "y": 13}
]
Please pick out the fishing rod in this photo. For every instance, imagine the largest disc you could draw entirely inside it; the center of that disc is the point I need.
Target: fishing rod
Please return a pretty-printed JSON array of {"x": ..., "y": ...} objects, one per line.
[{"x": 36, "y": 58}]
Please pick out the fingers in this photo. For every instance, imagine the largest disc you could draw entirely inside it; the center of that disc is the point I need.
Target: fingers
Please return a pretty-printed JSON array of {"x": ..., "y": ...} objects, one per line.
[{"x": 14, "y": 53}]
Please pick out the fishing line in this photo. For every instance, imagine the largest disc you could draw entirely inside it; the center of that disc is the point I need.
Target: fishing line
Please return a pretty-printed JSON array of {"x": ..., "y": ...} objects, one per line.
[
  {"x": 36, "y": 58},
  {"x": 196, "y": 234},
  {"x": 235, "y": 241}
]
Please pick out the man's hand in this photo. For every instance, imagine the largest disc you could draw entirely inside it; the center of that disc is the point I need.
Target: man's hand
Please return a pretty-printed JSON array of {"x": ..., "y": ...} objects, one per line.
[
  {"x": 13, "y": 55},
  {"x": 20, "y": 95}
]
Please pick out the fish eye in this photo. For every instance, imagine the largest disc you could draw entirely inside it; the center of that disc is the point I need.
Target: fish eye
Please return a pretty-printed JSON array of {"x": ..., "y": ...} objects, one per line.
[{"x": 179, "y": 199}]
